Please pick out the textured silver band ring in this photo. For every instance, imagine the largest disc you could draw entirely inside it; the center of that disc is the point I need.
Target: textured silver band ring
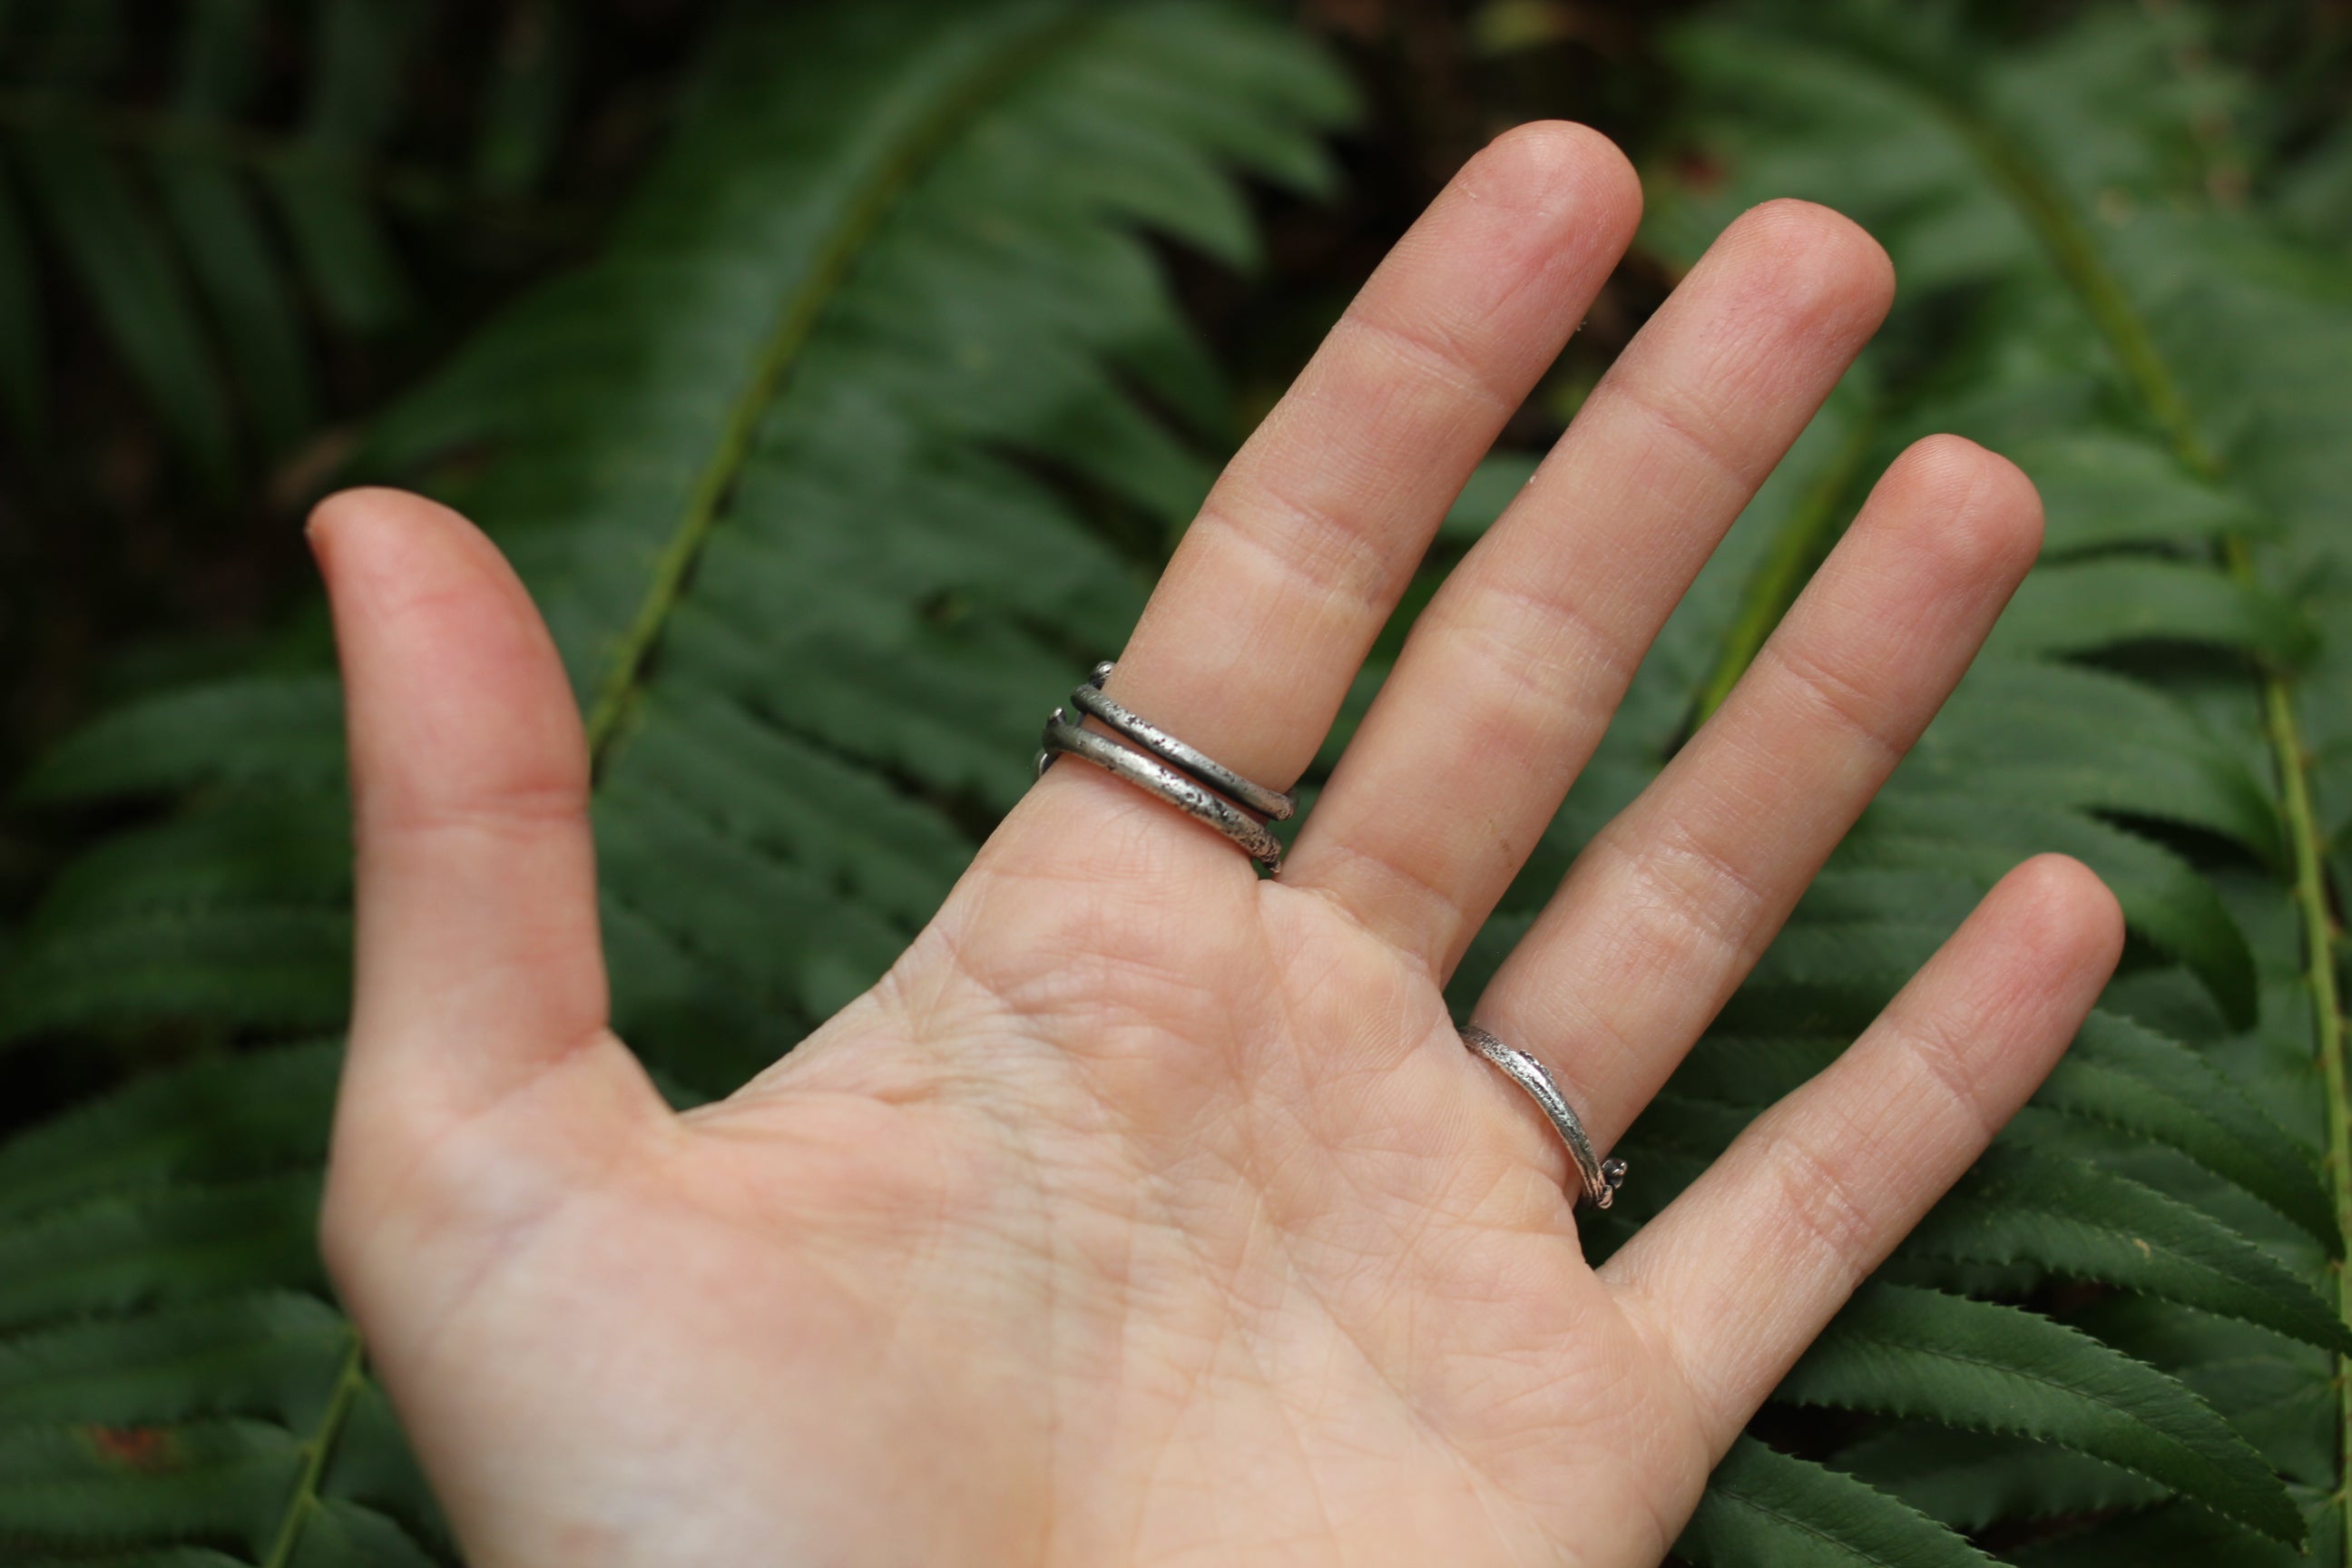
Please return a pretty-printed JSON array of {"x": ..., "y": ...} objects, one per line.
[
  {"x": 1601, "y": 1178},
  {"x": 1091, "y": 699},
  {"x": 1175, "y": 779}
]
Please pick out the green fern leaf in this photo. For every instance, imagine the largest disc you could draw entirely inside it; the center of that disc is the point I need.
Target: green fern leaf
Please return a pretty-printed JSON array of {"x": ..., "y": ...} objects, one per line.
[
  {"x": 2072, "y": 1218},
  {"x": 359, "y": 49},
  {"x": 2123, "y": 1074},
  {"x": 288, "y": 730},
  {"x": 120, "y": 255},
  {"x": 150, "y": 1349},
  {"x": 2171, "y": 1538},
  {"x": 229, "y": 252},
  {"x": 254, "y": 1114},
  {"x": 2052, "y": 733},
  {"x": 206, "y": 237},
  {"x": 125, "y": 1249},
  {"x": 240, "y": 911},
  {"x": 274, "y": 1354},
  {"x": 170, "y": 1557},
  {"x": 2275, "y": 1392},
  {"x": 1902, "y": 1351},
  {"x": 93, "y": 1486},
  {"x": 1970, "y": 1481},
  {"x": 2104, "y": 488},
  {"x": 2118, "y": 1073},
  {"x": 1915, "y": 826},
  {"x": 1767, "y": 1510},
  {"x": 2084, "y": 606}
]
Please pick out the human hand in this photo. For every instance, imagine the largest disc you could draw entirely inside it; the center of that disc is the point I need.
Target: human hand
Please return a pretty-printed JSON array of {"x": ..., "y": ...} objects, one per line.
[{"x": 1149, "y": 1211}]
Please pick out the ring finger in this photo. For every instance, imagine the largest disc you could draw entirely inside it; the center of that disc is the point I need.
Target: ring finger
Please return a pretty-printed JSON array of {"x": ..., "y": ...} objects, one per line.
[{"x": 1670, "y": 905}]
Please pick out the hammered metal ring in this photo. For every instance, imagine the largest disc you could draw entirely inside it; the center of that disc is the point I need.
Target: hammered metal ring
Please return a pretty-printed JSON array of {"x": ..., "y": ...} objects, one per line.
[
  {"x": 1092, "y": 699},
  {"x": 1600, "y": 1177},
  {"x": 1160, "y": 765}
]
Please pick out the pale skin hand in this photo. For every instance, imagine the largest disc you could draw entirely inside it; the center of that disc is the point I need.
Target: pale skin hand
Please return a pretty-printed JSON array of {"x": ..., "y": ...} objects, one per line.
[{"x": 1147, "y": 1211}]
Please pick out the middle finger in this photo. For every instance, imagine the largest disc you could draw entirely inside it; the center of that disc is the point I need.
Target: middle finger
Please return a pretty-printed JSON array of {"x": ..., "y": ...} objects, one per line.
[{"x": 1512, "y": 672}]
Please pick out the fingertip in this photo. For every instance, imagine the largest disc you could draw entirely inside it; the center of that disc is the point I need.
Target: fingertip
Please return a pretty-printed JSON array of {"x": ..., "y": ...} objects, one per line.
[
  {"x": 1544, "y": 155},
  {"x": 454, "y": 687},
  {"x": 393, "y": 558},
  {"x": 1558, "y": 167},
  {"x": 1984, "y": 514},
  {"x": 373, "y": 536},
  {"x": 368, "y": 511},
  {"x": 2059, "y": 906},
  {"x": 1826, "y": 268}
]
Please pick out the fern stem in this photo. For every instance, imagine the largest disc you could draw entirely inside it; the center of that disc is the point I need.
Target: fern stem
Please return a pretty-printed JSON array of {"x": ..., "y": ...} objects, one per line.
[
  {"x": 1785, "y": 568},
  {"x": 2077, "y": 256},
  {"x": 2317, "y": 919},
  {"x": 316, "y": 1452},
  {"x": 794, "y": 325}
]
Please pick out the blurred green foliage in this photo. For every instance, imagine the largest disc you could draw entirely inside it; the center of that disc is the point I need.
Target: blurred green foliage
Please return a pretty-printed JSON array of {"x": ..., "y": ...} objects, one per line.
[{"x": 951, "y": 308}]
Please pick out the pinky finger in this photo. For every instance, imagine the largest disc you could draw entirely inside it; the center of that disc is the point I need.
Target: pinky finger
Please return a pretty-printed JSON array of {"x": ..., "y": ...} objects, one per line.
[{"x": 1741, "y": 1272}]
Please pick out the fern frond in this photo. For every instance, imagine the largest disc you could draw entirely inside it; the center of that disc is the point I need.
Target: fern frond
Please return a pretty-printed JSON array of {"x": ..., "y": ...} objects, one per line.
[
  {"x": 2169, "y": 1538},
  {"x": 201, "y": 235},
  {"x": 2083, "y": 607},
  {"x": 236, "y": 911},
  {"x": 117, "y": 250},
  {"x": 274, "y": 1354},
  {"x": 289, "y": 731},
  {"x": 2070, "y": 1217},
  {"x": 2120, "y": 1073},
  {"x": 2066, "y": 734},
  {"x": 2273, "y": 1390},
  {"x": 2124, "y": 1075},
  {"x": 213, "y": 1120},
  {"x": 2106, "y": 489},
  {"x": 91, "y": 1486},
  {"x": 1969, "y": 1480},
  {"x": 1900, "y": 1351},
  {"x": 1768, "y": 1509}
]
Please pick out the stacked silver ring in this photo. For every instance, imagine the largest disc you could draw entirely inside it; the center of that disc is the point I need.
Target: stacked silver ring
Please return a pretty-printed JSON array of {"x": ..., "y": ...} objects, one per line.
[
  {"x": 1163, "y": 765},
  {"x": 1600, "y": 1177}
]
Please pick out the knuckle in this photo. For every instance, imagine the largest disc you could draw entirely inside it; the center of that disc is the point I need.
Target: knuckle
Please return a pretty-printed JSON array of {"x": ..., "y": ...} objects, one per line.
[
  {"x": 1825, "y": 1206},
  {"x": 1435, "y": 350},
  {"x": 1701, "y": 889},
  {"x": 1942, "y": 1055},
  {"x": 1848, "y": 706}
]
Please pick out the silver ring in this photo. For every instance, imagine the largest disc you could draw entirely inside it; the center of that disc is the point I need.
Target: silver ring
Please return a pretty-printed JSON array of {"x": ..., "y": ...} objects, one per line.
[
  {"x": 1091, "y": 699},
  {"x": 1165, "y": 766},
  {"x": 1601, "y": 1178}
]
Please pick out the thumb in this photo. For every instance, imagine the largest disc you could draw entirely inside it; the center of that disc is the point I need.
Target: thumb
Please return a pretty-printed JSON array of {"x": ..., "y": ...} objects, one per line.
[{"x": 478, "y": 965}]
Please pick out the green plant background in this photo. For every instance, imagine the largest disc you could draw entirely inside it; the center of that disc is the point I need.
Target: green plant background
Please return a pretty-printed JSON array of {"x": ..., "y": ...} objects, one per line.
[{"x": 808, "y": 359}]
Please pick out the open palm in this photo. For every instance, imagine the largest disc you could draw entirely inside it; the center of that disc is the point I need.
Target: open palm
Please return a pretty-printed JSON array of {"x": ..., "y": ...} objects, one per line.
[{"x": 1147, "y": 1210}]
